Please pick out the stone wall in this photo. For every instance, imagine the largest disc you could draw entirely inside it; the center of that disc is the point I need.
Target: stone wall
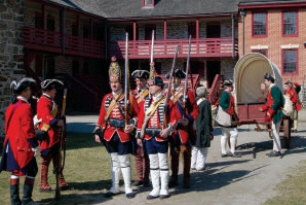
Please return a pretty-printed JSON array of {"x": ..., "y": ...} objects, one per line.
[{"x": 11, "y": 50}]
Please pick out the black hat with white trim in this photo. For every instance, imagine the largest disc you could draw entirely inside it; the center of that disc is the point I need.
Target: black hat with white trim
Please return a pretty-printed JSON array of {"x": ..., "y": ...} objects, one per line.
[
  {"x": 21, "y": 85},
  {"x": 270, "y": 77},
  {"x": 140, "y": 74},
  {"x": 49, "y": 84},
  {"x": 178, "y": 73},
  {"x": 228, "y": 83}
]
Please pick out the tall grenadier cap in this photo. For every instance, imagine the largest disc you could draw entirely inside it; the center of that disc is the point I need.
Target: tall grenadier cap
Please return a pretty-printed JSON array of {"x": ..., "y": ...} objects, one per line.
[{"x": 114, "y": 70}]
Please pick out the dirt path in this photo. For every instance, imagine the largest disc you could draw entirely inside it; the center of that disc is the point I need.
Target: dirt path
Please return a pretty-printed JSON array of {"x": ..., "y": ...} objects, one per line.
[{"x": 247, "y": 180}]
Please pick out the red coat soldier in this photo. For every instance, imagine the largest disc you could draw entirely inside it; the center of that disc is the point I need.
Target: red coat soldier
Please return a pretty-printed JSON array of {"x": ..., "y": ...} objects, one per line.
[
  {"x": 181, "y": 142},
  {"x": 113, "y": 131},
  {"x": 18, "y": 155},
  {"x": 155, "y": 130},
  {"x": 274, "y": 114},
  {"x": 141, "y": 157},
  {"x": 296, "y": 104},
  {"x": 50, "y": 122}
]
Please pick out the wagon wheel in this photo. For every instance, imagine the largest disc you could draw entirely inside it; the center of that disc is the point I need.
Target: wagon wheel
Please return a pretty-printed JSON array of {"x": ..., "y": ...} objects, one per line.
[{"x": 287, "y": 131}]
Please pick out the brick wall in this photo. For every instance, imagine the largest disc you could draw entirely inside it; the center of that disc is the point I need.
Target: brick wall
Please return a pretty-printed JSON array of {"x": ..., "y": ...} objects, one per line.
[
  {"x": 11, "y": 51},
  {"x": 275, "y": 40}
]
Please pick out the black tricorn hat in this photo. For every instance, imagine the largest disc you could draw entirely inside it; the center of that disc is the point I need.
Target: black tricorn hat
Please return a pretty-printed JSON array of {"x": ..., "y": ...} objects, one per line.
[
  {"x": 21, "y": 85},
  {"x": 140, "y": 74},
  {"x": 158, "y": 81},
  {"x": 227, "y": 83},
  {"x": 268, "y": 76},
  {"x": 49, "y": 84},
  {"x": 288, "y": 82},
  {"x": 178, "y": 73}
]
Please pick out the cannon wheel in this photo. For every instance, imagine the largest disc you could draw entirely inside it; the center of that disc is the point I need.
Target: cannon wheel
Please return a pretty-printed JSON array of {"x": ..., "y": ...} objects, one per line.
[{"x": 287, "y": 131}]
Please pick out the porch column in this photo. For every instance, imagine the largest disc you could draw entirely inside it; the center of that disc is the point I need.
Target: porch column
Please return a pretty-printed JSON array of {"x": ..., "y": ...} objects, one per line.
[
  {"x": 197, "y": 29},
  {"x": 165, "y": 29},
  {"x": 43, "y": 13},
  {"x": 134, "y": 31},
  {"x": 78, "y": 24}
]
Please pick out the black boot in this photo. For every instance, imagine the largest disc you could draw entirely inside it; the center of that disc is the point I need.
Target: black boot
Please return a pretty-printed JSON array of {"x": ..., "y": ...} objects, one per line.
[
  {"x": 15, "y": 200},
  {"x": 27, "y": 192}
]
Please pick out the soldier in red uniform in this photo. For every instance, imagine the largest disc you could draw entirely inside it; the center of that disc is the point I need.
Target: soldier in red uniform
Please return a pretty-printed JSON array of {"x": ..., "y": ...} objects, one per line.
[
  {"x": 47, "y": 113},
  {"x": 155, "y": 130},
  {"x": 181, "y": 142},
  {"x": 291, "y": 91},
  {"x": 20, "y": 144},
  {"x": 141, "y": 157},
  {"x": 274, "y": 114},
  {"x": 112, "y": 130}
]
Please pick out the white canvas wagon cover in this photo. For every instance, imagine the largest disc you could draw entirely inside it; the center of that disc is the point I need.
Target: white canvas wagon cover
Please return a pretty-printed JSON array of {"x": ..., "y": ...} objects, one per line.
[{"x": 249, "y": 74}]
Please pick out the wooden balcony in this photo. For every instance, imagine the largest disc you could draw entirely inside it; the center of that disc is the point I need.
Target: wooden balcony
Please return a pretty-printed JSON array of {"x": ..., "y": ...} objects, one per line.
[
  {"x": 50, "y": 41},
  {"x": 205, "y": 47}
]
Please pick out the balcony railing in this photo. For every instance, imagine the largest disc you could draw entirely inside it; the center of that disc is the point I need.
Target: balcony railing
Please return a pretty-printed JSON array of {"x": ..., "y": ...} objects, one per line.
[
  {"x": 205, "y": 47},
  {"x": 51, "y": 41}
]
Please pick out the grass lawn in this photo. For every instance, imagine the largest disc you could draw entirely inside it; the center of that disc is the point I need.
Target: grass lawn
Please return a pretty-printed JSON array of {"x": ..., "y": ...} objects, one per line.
[
  {"x": 292, "y": 191},
  {"x": 87, "y": 169}
]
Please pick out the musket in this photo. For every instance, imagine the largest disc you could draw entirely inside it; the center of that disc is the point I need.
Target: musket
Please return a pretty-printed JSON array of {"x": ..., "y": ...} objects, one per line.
[
  {"x": 126, "y": 79},
  {"x": 62, "y": 147},
  {"x": 187, "y": 71},
  {"x": 152, "y": 68},
  {"x": 168, "y": 88}
]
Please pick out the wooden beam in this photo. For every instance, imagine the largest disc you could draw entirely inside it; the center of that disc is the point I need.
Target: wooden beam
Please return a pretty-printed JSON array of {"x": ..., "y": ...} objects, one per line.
[
  {"x": 165, "y": 29},
  {"x": 134, "y": 31},
  {"x": 197, "y": 28}
]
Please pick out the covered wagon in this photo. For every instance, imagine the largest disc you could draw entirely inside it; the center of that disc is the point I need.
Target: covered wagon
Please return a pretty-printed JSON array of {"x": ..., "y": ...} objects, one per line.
[{"x": 250, "y": 93}]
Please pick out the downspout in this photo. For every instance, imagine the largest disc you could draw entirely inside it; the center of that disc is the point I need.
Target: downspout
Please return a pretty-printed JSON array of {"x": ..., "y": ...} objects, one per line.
[
  {"x": 233, "y": 37},
  {"x": 105, "y": 40},
  {"x": 243, "y": 13}
]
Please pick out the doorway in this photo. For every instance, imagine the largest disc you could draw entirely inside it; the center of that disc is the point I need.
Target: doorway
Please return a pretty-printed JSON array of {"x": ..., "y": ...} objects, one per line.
[{"x": 212, "y": 69}]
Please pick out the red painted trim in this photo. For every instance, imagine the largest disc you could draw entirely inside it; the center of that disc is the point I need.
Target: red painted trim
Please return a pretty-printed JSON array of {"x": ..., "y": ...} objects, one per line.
[
  {"x": 134, "y": 31},
  {"x": 143, "y": 4},
  {"x": 205, "y": 47},
  {"x": 144, "y": 19},
  {"x": 283, "y": 62},
  {"x": 165, "y": 29},
  {"x": 283, "y": 23},
  {"x": 259, "y": 36},
  {"x": 276, "y": 5}
]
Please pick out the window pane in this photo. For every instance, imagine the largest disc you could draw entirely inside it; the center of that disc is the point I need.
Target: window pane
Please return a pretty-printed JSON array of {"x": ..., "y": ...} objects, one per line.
[
  {"x": 290, "y": 22},
  {"x": 259, "y": 23},
  {"x": 148, "y": 2},
  {"x": 290, "y": 61}
]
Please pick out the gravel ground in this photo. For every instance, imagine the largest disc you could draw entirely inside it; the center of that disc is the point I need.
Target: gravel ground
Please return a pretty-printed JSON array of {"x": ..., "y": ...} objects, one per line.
[{"x": 232, "y": 181}]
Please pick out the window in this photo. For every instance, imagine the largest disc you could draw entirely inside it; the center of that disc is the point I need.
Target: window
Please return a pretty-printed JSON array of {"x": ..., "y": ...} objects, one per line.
[
  {"x": 290, "y": 23},
  {"x": 290, "y": 63},
  {"x": 147, "y": 3},
  {"x": 259, "y": 24},
  {"x": 261, "y": 51}
]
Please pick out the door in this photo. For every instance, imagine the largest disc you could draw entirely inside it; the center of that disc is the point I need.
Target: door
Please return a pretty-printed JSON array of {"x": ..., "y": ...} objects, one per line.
[
  {"x": 148, "y": 32},
  {"x": 213, "y": 31},
  {"x": 212, "y": 69}
]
